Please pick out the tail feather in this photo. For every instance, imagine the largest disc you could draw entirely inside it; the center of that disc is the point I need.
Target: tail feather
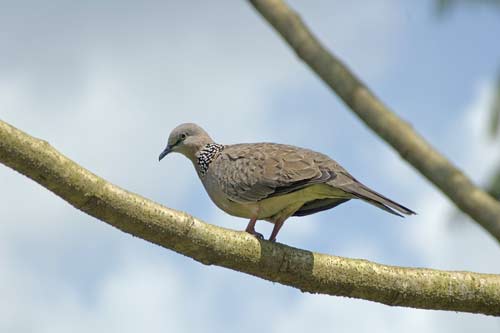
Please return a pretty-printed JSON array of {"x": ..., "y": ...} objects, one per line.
[{"x": 363, "y": 192}]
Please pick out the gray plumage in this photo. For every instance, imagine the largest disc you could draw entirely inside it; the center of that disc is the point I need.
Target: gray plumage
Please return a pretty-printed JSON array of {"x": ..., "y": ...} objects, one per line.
[{"x": 269, "y": 181}]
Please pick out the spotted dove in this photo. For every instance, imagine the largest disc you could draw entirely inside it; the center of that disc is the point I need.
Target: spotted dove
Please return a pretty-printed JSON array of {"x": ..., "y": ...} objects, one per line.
[{"x": 270, "y": 181}]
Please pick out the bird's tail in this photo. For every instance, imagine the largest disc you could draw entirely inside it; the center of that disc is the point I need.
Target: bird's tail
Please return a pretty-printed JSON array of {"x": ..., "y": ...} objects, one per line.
[{"x": 365, "y": 193}]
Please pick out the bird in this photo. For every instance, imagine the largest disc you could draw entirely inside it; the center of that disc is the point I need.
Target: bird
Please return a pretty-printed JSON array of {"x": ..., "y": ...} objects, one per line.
[{"x": 270, "y": 181}]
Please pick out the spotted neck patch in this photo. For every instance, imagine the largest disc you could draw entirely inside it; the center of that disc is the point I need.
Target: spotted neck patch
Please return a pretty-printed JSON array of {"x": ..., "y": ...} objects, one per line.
[{"x": 207, "y": 155}]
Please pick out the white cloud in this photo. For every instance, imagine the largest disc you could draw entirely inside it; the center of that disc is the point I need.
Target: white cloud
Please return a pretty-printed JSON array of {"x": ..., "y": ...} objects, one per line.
[
  {"x": 139, "y": 295},
  {"x": 371, "y": 26}
]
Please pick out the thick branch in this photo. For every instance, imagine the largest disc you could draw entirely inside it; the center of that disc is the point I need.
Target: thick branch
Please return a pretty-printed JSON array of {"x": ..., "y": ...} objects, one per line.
[
  {"x": 411, "y": 146},
  {"x": 305, "y": 270}
]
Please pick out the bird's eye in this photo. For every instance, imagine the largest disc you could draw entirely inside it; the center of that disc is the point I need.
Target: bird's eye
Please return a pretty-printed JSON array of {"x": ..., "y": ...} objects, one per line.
[{"x": 183, "y": 136}]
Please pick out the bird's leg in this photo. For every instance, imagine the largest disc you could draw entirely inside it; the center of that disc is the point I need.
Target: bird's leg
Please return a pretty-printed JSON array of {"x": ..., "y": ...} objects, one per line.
[
  {"x": 251, "y": 228},
  {"x": 277, "y": 226},
  {"x": 281, "y": 217}
]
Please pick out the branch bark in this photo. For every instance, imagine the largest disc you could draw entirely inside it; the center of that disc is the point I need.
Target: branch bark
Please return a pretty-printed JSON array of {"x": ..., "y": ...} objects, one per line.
[
  {"x": 409, "y": 144},
  {"x": 208, "y": 244}
]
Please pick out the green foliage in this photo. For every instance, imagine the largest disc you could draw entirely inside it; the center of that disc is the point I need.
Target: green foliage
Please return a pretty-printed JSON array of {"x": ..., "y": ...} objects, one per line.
[
  {"x": 445, "y": 6},
  {"x": 494, "y": 187},
  {"x": 495, "y": 111}
]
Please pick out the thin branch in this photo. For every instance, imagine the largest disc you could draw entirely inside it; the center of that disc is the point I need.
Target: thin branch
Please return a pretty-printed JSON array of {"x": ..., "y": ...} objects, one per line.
[
  {"x": 305, "y": 270},
  {"x": 411, "y": 146}
]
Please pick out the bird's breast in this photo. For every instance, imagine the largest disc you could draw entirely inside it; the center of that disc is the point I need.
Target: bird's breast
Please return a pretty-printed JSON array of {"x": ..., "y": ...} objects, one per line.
[{"x": 221, "y": 200}]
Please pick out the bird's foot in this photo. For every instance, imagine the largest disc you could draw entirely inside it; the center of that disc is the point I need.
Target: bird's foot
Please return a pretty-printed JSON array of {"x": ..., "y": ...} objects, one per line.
[
  {"x": 251, "y": 229},
  {"x": 255, "y": 233}
]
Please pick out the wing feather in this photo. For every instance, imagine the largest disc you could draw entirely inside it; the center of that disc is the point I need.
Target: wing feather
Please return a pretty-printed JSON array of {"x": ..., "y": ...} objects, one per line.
[{"x": 253, "y": 172}]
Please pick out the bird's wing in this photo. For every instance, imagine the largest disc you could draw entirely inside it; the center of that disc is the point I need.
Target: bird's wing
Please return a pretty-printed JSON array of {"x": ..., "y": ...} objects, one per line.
[{"x": 253, "y": 172}]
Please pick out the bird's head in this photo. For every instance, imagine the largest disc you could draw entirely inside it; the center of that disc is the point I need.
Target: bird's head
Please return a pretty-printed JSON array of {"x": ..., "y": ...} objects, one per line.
[{"x": 186, "y": 139}]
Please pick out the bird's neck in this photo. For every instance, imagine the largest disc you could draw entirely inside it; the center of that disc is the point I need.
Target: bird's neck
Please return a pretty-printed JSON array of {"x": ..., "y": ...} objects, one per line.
[{"x": 206, "y": 155}]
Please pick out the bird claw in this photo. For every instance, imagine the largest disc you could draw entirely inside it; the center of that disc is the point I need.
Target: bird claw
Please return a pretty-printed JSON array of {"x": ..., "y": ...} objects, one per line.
[{"x": 256, "y": 234}]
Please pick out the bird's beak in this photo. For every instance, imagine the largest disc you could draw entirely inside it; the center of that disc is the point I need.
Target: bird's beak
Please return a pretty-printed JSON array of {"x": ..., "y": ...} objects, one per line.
[{"x": 165, "y": 152}]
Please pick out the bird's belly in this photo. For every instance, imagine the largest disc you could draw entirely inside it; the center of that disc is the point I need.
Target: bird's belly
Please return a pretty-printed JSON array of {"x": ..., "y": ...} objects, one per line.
[
  {"x": 272, "y": 206},
  {"x": 246, "y": 210},
  {"x": 267, "y": 208}
]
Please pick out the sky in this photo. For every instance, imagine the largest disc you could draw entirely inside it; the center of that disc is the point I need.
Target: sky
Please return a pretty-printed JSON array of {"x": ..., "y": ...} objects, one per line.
[{"x": 105, "y": 81}]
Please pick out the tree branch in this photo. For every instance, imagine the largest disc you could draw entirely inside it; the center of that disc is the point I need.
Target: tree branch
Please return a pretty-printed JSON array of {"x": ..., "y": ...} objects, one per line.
[
  {"x": 410, "y": 145},
  {"x": 305, "y": 270}
]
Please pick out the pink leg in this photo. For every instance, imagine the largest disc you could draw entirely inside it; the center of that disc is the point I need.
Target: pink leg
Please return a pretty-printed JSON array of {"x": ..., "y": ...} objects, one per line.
[
  {"x": 276, "y": 229},
  {"x": 251, "y": 229}
]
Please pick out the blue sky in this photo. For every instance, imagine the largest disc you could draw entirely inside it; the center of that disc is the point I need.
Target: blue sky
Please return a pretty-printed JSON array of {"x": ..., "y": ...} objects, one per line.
[{"x": 105, "y": 82}]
